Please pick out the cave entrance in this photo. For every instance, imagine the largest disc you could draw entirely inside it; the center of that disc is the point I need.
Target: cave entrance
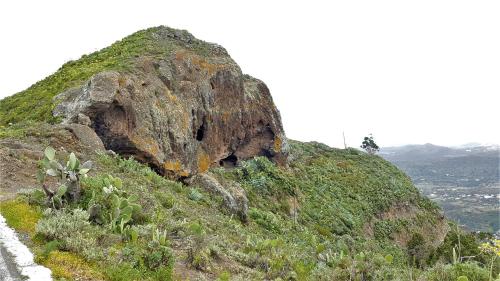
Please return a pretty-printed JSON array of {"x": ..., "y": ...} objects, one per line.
[
  {"x": 229, "y": 162},
  {"x": 112, "y": 126},
  {"x": 200, "y": 133},
  {"x": 266, "y": 153}
]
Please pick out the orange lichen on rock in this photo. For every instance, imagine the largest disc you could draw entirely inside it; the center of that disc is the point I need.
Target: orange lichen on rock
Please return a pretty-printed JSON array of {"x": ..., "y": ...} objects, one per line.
[
  {"x": 147, "y": 144},
  {"x": 198, "y": 61},
  {"x": 203, "y": 162},
  {"x": 183, "y": 173},
  {"x": 122, "y": 80},
  {"x": 277, "y": 144},
  {"x": 173, "y": 166},
  {"x": 211, "y": 68}
]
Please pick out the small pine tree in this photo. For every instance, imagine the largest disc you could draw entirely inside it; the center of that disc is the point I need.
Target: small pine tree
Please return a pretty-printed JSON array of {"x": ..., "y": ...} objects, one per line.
[{"x": 369, "y": 145}]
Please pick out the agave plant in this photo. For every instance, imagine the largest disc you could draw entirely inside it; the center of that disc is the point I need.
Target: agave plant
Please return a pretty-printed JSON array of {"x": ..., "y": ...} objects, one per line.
[
  {"x": 68, "y": 175},
  {"x": 160, "y": 237}
]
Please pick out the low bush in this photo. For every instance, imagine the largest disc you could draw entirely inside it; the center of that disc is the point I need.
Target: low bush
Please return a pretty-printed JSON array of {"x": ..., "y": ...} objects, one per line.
[
  {"x": 472, "y": 270},
  {"x": 72, "y": 230}
]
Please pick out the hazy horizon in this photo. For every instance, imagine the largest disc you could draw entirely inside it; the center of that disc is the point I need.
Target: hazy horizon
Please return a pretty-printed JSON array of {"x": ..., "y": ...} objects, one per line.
[{"x": 409, "y": 73}]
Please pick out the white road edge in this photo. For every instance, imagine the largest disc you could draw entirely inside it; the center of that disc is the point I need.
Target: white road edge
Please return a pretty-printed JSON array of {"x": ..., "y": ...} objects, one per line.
[{"x": 23, "y": 258}]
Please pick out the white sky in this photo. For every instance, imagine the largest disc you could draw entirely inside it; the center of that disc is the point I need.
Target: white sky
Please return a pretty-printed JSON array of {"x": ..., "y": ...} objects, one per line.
[{"x": 406, "y": 71}]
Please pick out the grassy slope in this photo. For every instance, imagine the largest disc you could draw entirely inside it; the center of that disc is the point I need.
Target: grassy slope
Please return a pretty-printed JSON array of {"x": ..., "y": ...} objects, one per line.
[
  {"x": 337, "y": 192},
  {"x": 35, "y": 103}
]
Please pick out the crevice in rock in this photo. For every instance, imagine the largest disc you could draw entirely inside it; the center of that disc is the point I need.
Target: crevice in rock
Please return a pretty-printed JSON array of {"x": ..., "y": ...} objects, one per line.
[
  {"x": 266, "y": 153},
  {"x": 229, "y": 162},
  {"x": 200, "y": 133}
]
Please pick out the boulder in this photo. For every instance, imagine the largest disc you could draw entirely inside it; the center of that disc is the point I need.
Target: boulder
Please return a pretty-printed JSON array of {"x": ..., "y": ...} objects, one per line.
[
  {"x": 182, "y": 113},
  {"x": 86, "y": 136},
  {"x": 234, "y": 196}
]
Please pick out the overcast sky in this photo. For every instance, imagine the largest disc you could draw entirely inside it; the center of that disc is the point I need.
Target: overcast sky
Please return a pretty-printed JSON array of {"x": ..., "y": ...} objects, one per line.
[{"x": 406, "y": 71}]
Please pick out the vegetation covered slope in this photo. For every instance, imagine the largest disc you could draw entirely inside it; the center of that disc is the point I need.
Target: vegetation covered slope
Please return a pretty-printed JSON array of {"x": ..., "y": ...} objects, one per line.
[
  {"x": 306, "y": 222},
  {"x": 36, "y": 104}
]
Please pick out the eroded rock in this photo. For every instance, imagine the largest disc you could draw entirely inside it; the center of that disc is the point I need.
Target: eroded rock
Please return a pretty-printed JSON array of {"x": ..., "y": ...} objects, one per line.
[
  {"x": 234, "y": 196},
  {"x": 86, "y": 136},
  {"x": 180, "y": 114}
]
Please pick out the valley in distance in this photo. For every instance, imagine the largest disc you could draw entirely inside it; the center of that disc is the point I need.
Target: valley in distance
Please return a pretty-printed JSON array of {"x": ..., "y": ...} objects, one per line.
[{"x": 463, "y": 180}]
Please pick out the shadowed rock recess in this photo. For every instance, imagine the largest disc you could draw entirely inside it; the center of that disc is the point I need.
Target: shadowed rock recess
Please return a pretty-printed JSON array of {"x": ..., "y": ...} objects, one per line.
[{"x": 181, "y": 113}]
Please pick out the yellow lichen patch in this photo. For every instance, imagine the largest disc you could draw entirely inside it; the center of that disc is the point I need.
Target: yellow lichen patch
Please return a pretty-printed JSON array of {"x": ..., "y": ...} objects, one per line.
[
  {"x": 122, "y": 81},
  {"x": 170, "y": 96},
  {"x": 146, "y": 143},
  {"x": 203, "y": 162},
  {"x": 210, "y": 68},
  {"x": 20, "y": 215},
  {"x": 198, "y": 61},
  {"x": 186, "y": 120},
  {"x": 174, "y": 166},
  {"x": 183, "y": 173},
  {"x": 277, "y": 144},
  {"x": 70, "y": 266}
]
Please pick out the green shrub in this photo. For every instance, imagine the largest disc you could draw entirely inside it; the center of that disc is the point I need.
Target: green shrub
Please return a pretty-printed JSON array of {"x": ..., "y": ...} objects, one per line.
[
  {"x": 469, "y": 246},
  {"x": 158, "y": 256},
  {"x": 73, "y": 231},
  {"x": 50, "y": 247},
  {"x": 58, "y": 225},
  {"x": 224, "y": 276},
  {"x": 123, "y": 272},
  {"x": 154, "y": 259},
  {"x": 166, "y": 199},
  {"x": 265, "y": 219},
  {"x": 473, "y": 271}
]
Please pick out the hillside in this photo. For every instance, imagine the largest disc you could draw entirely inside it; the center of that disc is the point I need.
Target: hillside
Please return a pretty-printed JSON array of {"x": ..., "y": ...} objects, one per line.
[
  {"x": 35, "y": 103},
  {"x": 192, "y": 178},
  {"x": 465, "y": 181}
]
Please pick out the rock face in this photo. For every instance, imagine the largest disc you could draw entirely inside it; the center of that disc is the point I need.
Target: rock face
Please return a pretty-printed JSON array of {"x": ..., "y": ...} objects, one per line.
[{"x": 180, "y": 114}]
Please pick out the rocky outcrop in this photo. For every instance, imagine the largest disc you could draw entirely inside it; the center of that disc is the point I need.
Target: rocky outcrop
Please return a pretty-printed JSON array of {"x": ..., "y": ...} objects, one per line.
[
  {"x": 233, "y": 195},
  {"x": 86, "y": 136},
  {"x": 180, "y": 114},
  {"x": 408, "y": 213}
]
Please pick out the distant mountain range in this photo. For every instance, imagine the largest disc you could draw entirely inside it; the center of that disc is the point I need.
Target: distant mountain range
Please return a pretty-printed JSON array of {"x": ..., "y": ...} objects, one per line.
[
  {"x": 465, "y": 166},
  {"x": 464, "y": 180}
]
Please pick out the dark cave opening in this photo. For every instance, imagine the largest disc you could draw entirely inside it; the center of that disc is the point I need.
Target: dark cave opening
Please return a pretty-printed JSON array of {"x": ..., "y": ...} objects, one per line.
[
  {"x": 267, "y": 153},
  {"x": 111, "y": 126},
  {"x": 200, "y": 133},
  {"x": 229, "y": 162}
]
